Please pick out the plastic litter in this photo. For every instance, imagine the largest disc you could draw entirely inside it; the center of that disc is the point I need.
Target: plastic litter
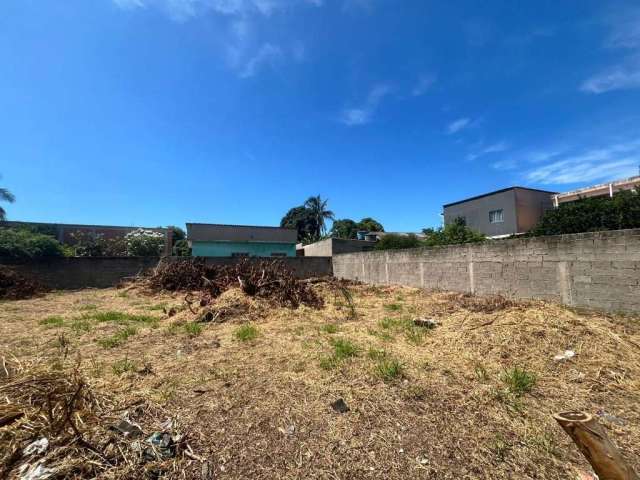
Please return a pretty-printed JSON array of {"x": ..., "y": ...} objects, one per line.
[
  {"x": 566, "y": 355},
  {"x": 36, "y": 471},
  {"x": 425, "y": 322},
  {"x": 37, "y": 447}
]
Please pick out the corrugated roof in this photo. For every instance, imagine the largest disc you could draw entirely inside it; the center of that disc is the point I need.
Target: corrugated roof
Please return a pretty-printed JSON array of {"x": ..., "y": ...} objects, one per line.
[
  {"x": 210, "y": 232},
  {"x": 496, "y": 192}
]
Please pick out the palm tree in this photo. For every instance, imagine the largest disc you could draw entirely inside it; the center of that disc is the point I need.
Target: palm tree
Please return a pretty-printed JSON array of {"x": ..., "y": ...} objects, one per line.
[
  {"x": 6, "y": 196},
  {"x": 318, "y": 207}
]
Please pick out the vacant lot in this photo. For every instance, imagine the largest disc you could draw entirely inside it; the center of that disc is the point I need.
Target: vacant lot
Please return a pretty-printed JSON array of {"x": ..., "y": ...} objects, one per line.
[{"x": 469, "y": 398}]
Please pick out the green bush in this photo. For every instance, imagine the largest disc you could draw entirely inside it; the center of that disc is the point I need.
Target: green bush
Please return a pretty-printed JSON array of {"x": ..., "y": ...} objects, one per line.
[
  {"x": 144, "y": 243},
  {"x": 592, "y": 215},
  {"x": 181, "y": 249},
  {"x": 95, "y": 245},
  {"x": 24, "y": 244},
  {"x": 393, "y": 241},
  {"x": 453, "y": 233}
]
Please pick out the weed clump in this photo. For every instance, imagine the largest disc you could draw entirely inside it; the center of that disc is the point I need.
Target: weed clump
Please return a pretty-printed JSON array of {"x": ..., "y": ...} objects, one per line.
[
  {"x": 518, "y": 381},
  {"x": 246, "y": 333}
]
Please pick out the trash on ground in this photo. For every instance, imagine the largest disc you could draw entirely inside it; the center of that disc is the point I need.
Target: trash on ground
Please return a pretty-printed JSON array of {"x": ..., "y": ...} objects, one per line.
[
  {"x": 163, "y": 446},
  {"x": 128, "y": 429},
  {"x": 36, "y": 471},
  {"x": 425, "y": 322},
  {"x": 566, "y": 355},
  {"x": 340, "y": 406},
  {"x": 37, "y": 447},
  {"x": 610, "y": 418}
]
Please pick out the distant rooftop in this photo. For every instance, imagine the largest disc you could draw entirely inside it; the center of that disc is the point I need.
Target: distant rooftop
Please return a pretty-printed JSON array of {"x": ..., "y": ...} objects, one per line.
[
  {"x": 496, "y": 192},
  {"x": 211, "y": 232},
  {"x": 614, "y": 186}
]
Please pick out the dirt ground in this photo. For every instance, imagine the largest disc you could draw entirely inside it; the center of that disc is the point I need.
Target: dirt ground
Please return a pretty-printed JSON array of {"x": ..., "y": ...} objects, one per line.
[{"x": 470, "y": 398}]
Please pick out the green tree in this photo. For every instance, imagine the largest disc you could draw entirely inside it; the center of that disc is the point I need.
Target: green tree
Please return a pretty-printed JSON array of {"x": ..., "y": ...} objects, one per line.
[
  {"x": 370, "y": 225},
  {"x": 393, "y": 241},
  {"x": 592, "y": 215},
  {"x": 5, "y": 196},
  {"x": 303, "y": 220},
  {"x": 344, "y": 228},
  {"x": 320, "y": 212},
  {"x": 453, "y": 233},
  {"x": 23, "y": 243}
]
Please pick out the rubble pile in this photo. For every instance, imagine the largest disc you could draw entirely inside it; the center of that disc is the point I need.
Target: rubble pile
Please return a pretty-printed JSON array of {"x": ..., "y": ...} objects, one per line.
[
  {"x": 268, "y": 279},
  {"x": 14, "y": 286}
]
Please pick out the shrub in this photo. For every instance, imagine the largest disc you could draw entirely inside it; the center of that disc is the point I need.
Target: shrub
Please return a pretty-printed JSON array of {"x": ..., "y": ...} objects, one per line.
[
  {"x": 95, "y": 245},
  {"x": 393, "y": 241},
  {"x": 144, "y": 243},
  {"x": 592, "y": 215},
  {"x": 24, "y": 244},
  {"x": 181, "y": 249},
  {"x": 454, "y": 233},
  {"x": 343, "y": 349}
]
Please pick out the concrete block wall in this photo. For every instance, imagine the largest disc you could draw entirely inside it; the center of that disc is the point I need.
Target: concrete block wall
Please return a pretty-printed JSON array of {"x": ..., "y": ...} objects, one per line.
[
  {"x": 102, "y": 272},
  {"x": 597, "y": 270}
]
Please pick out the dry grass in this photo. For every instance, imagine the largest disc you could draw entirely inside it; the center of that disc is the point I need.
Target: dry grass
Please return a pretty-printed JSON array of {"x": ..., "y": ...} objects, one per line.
[{"x": 471, "y": 398}]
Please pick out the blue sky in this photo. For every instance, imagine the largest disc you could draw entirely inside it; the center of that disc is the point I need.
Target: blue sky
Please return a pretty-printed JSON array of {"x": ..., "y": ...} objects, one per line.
[{"x": 156, "y": 112}]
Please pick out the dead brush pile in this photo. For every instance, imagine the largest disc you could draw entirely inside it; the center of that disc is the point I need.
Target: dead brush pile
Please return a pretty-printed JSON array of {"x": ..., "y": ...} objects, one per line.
[
  {"x": 481, "y": 304},
  {"x": 270, "y": 280},
  {"x": 54, "y": 424},
  {"x": 14, "y": 286}
]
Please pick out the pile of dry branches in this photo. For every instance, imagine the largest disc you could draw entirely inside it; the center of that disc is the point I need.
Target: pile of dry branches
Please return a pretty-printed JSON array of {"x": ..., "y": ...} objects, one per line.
[
  {"x": 53, "y": 424},
  {"x": 271, "y": 280},
  {"x": 14, "y": 286}
]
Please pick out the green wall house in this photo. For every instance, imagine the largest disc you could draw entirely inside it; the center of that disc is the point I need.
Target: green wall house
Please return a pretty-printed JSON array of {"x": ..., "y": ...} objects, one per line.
[{"x": 211, "y": 240}]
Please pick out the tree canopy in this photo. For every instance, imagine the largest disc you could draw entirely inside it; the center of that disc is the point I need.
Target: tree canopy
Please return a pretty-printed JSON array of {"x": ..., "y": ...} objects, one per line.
[
  {"x": 370, "y": 225},
  {"x": 320, "y": 212},
  {"x": 5, "y": 196},
  {"x": 592, "y": 215},
  {"x": 453, "y": 233},
  {"x": 393, "y": 241},
  {"x": 303, "y": 220},
  {"x": 347, "y": 228}
]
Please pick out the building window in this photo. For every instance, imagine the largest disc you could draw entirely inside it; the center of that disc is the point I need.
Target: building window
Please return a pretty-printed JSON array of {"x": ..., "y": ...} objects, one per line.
[
  {"x": 496, "y": 216},
  {"x": 239, "y": 254},
  {"x": 278, "y": 254}
]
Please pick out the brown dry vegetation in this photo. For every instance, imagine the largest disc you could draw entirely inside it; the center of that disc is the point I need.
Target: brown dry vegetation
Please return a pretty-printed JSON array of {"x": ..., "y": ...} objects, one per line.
[{"x": 423, "y": 403}]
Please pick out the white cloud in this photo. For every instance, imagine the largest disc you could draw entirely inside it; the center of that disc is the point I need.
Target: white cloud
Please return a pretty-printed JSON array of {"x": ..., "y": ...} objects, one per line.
[
  {"x": 267, "y": 56},
  {"x": 458, "y": 125},
  {"x": 493, "y": 148},
  {"x": 425, "y": 82},
  {"x": 616, "y": 78},
  {"x": 618, "y": 160},
  {"x": 363, "y": 114},
  {"x": 624, "y": 27}
]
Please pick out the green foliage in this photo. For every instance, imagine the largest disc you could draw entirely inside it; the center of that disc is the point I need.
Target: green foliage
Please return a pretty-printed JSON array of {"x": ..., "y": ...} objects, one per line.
[
  {"x": 52, "y": 321},
  {"x": 592, "y": 215},
  {"x": 246, "y": 333},
  {"x": 144, "y": 243},
  {"x": 118, "y": 338},
  {"x": 22, "y": 243},
  {"x": 343, "y": 349},
  {"x": 122, "y": 366},
  {"x": 347, "y": 228},
  {"x": 344, "y": 228},
  {"x": 393, "y": 307},
  {"x": 453, "y": 233},
  {"x": 320, "y": 212},
  {"x": 370, "y": 225},
  {"x": 89, "y": 244},
  {"x": 329, "y": 328},
  {"x": 119, "y": 317},
  {"x": 5, "y": 196},
  {"x": 518, "y": 380},
  {"x": 393, "y": 241},
  {"x": 181, "y": 249},
  {"x": 304, "y": 221},
  {"x": 389, "y": 369},
  {"x": 178, "y": 233},
  {"x": 193, "y": 329}
]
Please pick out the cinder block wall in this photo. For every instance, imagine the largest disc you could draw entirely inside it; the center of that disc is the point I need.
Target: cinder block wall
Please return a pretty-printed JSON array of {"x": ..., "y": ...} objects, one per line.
[
  {"x": 598, "y": 270},
  {"x": 99, "y": 272}
]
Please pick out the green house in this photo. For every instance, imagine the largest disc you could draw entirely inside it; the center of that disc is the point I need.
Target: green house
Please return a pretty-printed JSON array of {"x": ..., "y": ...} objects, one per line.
[{"x": 213, "y": 240}]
